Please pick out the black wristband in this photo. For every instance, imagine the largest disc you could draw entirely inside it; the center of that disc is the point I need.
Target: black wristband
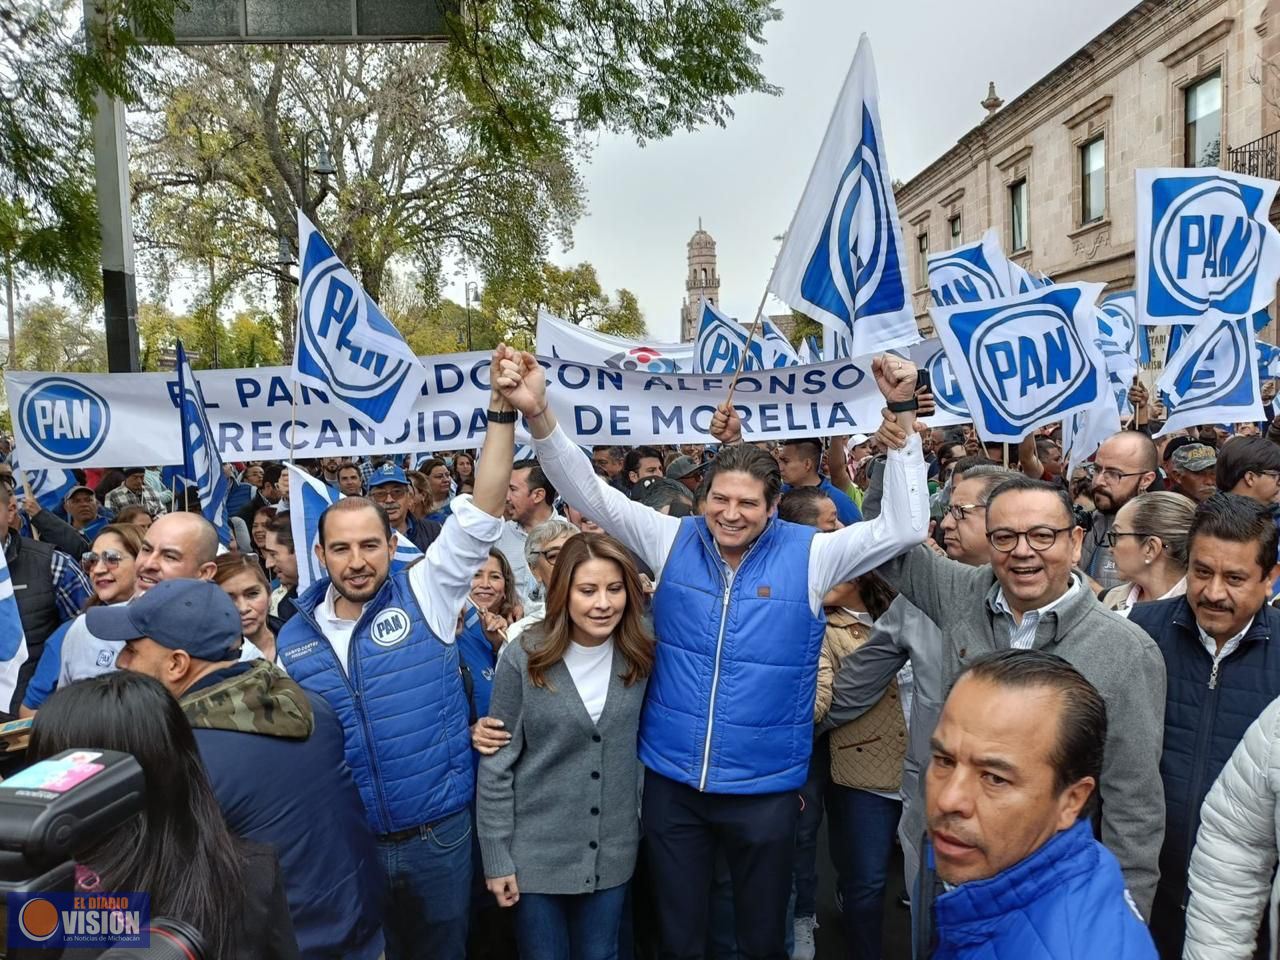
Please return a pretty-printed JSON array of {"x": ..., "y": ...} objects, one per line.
[
  {"x": 501, "y": 416},
  {"x": 904, "y": 406}
]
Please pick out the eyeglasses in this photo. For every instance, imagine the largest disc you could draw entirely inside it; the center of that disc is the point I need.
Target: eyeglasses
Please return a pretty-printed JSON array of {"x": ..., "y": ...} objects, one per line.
[
  {"x": 549, "y": 555},
  {"x": 388, "y": 491},
  {"x": 1039, "y": 539},
  {"x": 1112, "y": 475},
  {"x": 959, "y": 511},
  {"x": 111, "y": 558},
  {"x": 1113, "y": 536}
]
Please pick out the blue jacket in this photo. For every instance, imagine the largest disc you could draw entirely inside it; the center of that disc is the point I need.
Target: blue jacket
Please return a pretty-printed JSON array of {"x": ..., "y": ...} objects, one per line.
[
  {"x": 730, "y": 702},
  {"x": 1203, "y": 724},
  {"x": 477, "y": 653},
  {"x": 401, "y": 701},
  {"x": 1066, "y": 901},
  {"x": 275, "y": 760}
]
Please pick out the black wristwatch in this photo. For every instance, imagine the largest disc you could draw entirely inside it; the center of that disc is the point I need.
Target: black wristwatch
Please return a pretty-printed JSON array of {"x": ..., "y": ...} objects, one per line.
[
  {"x": 904, "y": 406},
  {"x": 501, "y": 416}
]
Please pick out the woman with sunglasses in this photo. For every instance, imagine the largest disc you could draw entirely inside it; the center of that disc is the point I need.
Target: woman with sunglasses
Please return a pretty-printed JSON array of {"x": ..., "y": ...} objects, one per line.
[
  {"x": 109, "y": 565},
  {"x": 242, "y": 579},
  {"x": 1149, "y": 543}
]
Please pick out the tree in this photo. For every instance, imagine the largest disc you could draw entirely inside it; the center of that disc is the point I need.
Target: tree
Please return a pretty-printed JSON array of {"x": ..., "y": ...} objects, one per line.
[
  {"x": 804, "y": 327},
  {"x": 251, "y": 339},
  {"x": 57, "y": 338},
  {"x": 570, "y": 293}
]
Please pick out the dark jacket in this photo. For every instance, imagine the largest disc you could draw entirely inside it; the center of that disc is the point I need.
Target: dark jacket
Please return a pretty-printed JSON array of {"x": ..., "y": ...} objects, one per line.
[
  {"x": 1205, "y": 719},
  {"x": 275, "y": 760},
  {"x": 266, "y": 932},
  {"x": 59, "y": 534},
  {"x": 31, "y": 570}
]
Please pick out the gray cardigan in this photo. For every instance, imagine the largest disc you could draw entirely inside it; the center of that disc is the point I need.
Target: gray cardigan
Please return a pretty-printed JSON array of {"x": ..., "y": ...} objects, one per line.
[
  {"x": 559, "y": 805},
  {"x": 1116, "y": 656}
]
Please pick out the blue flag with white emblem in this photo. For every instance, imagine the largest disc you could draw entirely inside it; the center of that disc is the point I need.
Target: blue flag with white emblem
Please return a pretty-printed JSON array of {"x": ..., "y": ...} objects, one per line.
[
  {"x": 49, "y": 487},
  {"x": 1206, "y": 249},
  {"x": 722, "y": 340},
  {"x": 1268, "y": 361},
  {"x": 1213, "y": 377},
  {"x": 841, "y": 262},
  {"x": 13, "y": 642},
  {"x": 201, "y": 462},
  {"x": 1027, "y": 360},
  {"x": 309, "y": 498},
  {"x": 969, "y": 274},
  {"x": 345, "y": 345},
  {"x": 948, "y": 401}
]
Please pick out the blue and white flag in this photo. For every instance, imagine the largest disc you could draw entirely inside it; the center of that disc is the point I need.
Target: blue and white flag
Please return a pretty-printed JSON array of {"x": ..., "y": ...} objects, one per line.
[
  {"x": 560, "y": 338},
  {"x": 721, "y": 341},
  {"x": 1122, "y": 309},
  {"x": 13, "y": 641},
  {"x": 810, "y": 351},
  {"x": 1268, "y": 361},
  {"x": 1206, "y": 249},
  {"x": 777, "y": 349},
  {"x": 345, "y": 346},
  {"x": 49, "y": 487},
  {"x": 970, "y": 274},
  {"x": 201, "y": 462},
  {"x": 948, "y": 401},
  {"x": 841, "y": 262},
  {"x": 1025, "y": 361},
  {"x": 1213, "y": 377},
  {"x": 309, "y": 497}
]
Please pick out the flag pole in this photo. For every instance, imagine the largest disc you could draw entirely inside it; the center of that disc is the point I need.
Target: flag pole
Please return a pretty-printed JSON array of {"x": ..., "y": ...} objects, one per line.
[
  {"x": 755, "y": 327},
  {"x": 26, "y": 484}
]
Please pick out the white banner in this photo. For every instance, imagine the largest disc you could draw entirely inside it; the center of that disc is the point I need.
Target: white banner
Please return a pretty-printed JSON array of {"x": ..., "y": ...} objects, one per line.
[
  {"x": 111, "y": 419},
  {"x": 560, "y": 339}
]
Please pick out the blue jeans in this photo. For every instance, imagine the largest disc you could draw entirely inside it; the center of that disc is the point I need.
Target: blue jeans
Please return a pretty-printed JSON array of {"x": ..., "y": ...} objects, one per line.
[
  {"x": 571, "y": 926},
  {"x": 806, "y": 868},
  {"x": 868, "y": 824},
  {"x": 430, "y": 902}
]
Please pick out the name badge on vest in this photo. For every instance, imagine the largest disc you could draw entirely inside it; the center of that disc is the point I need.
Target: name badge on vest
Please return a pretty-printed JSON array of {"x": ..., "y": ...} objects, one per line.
[{"x": 390, "y": 627}]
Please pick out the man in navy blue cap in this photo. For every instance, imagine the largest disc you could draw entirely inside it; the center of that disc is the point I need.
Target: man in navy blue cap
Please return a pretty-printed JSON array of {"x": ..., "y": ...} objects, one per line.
[
  {"x": 389, "y": 488},
  {"x": 274, "y": 755}
]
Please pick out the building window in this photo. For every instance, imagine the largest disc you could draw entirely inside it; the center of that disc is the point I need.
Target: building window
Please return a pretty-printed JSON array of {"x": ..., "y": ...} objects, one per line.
[
  {"x": 1093, "y": 181},
  {"x": 1018, "y": 211},
  {"x": 922, "y": 260},
  {"x": 954, "y": 225},
  {"x": 1203, "y": 136}
]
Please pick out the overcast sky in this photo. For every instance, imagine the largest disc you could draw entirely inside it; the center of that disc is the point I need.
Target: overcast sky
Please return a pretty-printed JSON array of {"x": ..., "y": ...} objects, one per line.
[{"x": 934, "y": 59}]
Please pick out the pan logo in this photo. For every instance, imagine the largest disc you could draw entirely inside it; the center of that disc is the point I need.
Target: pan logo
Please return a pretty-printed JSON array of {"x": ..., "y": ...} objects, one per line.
[
  {"x": 1217, "y": 372},
  {"x": 963, "y": 278},
  {"x": 62, "y": 420},
  {"x": 1029, "y": 361},
  {"x": 946, "y": 388},
  {"x": 1206, "y": 245}
]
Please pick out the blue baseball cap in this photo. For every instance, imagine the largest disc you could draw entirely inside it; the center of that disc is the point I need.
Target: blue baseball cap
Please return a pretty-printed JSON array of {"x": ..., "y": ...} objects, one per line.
[
  {"x": 192, "y": 615},
  {"x": 387, "y": 473}
]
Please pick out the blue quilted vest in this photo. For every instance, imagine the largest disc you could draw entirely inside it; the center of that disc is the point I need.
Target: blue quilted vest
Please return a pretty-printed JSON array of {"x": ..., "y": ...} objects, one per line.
[
  {"x": 730, "y": 703},
  {"x": 402, "y": 704}
]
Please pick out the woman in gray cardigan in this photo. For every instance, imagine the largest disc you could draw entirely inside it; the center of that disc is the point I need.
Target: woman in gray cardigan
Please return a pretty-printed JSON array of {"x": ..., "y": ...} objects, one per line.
[{"x": 557, "y": 808}]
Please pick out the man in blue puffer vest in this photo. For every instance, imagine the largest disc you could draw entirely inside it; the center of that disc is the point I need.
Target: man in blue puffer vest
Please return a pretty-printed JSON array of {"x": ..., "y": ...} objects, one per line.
[
  {"x": 380, "y": 649},
  {"x": 1017, "y": 755},
  {"x": 727, "y": 727}
]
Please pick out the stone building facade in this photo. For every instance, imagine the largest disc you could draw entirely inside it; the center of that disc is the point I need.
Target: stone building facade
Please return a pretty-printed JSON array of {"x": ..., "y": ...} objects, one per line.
[{"x": 1172, "y": 83}]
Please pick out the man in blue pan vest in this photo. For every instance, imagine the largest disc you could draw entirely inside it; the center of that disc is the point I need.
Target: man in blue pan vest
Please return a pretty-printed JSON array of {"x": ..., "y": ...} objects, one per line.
[
  {"x": 379, "y": 647},
  {"x": 727, "y": 727}
]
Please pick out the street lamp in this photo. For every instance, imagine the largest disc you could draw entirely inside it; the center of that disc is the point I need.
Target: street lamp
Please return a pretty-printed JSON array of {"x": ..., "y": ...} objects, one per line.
[
  {"x": 471, "y": 285},
  {"x": 324, "y": 165}
]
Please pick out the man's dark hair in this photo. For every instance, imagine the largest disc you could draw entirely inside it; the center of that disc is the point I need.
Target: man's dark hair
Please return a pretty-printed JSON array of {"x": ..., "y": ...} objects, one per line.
[
  {"x": 350, "y": 465},
  {"x": 271, "y": 472},
  {"x": 807, "y": 447},
  {"x": 347, "y": 504},
  {"x": 801, "y": 505},
  {"x": 636, "y": 454},
  {"x": 1043, "y": 444},
  {"x": 1245, "y": 455},
  {"x": 281, "y": 527},
  {"x": 751, "y": 460},
  {"x": 1082, "y": 718},
  {"x": 537, "y": 479},
  {"x": 658, "y": 492},
  {"x": 1236, "y": 519},
  {"x": 949, "y": 447},
  {"x": 615, "y": 453},
  {"x": 1019, "y": 482}
]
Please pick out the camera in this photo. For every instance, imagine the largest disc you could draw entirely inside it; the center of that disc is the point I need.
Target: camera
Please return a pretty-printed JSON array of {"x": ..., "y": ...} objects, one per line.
[{"x": 55, "y": 807}]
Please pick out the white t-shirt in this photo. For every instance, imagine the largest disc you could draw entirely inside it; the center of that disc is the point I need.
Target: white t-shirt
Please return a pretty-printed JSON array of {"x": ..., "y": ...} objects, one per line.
[{"x": 591, "y": 669}]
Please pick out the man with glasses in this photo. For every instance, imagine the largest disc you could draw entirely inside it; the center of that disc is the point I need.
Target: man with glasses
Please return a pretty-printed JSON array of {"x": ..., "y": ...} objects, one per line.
[
  {"x": 1124, "y": 467},
  {"x": 389, "y": 488},
  {"x": 1220, "y": 646},
  {"x": 1028, "y": 597}
]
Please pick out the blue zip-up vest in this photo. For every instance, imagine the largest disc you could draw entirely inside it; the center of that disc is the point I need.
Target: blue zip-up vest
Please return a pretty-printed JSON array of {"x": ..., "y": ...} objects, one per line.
[
  {"x": 402, "y": 704},
  {"x": 730, "y": 701}
]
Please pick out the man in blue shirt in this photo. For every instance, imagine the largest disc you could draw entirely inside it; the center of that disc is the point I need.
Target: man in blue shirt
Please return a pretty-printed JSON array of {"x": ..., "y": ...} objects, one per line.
[{"x": 800, "y": 461}]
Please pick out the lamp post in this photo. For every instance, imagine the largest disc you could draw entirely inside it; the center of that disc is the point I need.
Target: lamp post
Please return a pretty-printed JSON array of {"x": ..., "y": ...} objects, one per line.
[
  {"x": 471, "y": 285},
  {"x": 323, "y": 168}
]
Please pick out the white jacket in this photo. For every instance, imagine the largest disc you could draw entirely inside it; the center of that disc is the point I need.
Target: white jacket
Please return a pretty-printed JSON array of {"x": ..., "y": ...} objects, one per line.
[{"x": 1235, "y": 852}]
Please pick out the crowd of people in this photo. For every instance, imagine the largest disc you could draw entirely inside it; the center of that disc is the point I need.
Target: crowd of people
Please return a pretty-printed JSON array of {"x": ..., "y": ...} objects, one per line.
[{"x": 608, "y": 710}]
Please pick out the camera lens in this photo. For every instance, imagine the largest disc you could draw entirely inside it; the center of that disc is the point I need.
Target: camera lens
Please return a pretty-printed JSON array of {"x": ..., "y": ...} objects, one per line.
[{"x": 170, "y": 940}]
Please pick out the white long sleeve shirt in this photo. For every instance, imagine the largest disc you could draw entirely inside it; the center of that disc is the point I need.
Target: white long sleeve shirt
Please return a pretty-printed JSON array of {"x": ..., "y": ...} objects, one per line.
[{"x": 833, "y": 557}]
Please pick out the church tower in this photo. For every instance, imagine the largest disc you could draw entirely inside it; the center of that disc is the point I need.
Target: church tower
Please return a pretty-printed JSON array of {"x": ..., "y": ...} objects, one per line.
[{"x": 702, "y": 281}]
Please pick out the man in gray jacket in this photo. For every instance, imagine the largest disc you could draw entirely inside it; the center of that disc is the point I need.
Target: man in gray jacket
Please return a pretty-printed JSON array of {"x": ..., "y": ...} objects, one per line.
[
  {"x": 1030, "y": 598},
  {"x": 905, "y": 633}
]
